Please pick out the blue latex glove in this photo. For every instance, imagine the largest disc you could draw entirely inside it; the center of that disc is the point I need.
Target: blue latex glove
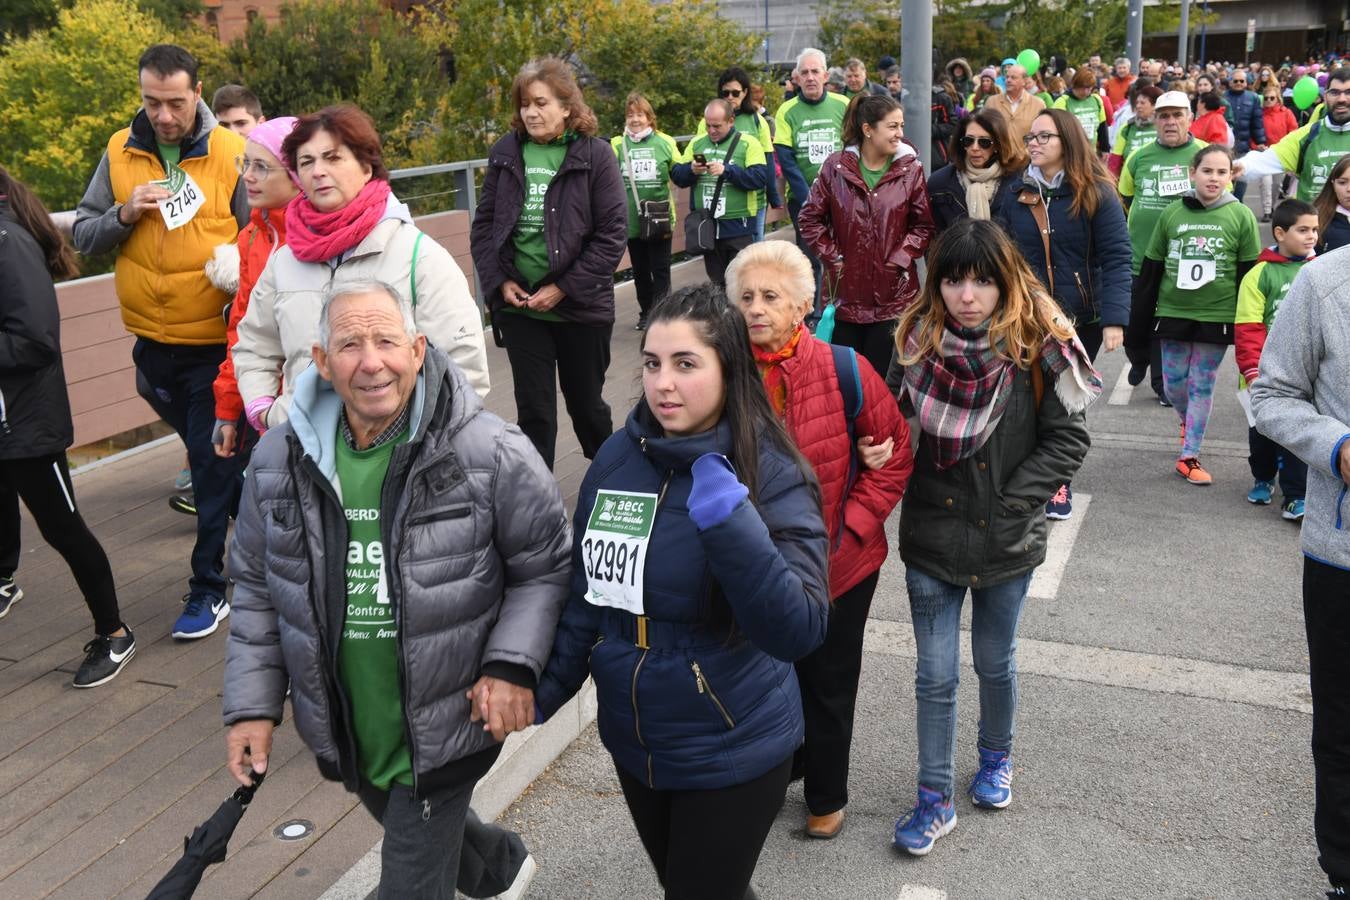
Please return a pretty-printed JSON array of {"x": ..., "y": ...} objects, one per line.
[{"x": 716, "y": 492}]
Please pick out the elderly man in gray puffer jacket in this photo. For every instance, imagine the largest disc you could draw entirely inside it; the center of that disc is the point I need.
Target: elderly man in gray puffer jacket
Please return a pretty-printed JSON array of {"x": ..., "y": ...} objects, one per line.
[
  {"x": 401, "y": 558},
  {"x": 1302, "y": 401}
]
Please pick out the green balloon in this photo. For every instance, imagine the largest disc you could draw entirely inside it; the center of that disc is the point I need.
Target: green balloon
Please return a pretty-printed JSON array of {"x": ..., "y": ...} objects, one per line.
[
  {"x": 1305, "y": 92},
  {"x": 1031, "y": 61}
]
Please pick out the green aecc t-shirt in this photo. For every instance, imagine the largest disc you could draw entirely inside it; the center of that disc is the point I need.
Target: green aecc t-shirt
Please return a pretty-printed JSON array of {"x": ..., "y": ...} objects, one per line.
[{"x": 1201, "y": 249}]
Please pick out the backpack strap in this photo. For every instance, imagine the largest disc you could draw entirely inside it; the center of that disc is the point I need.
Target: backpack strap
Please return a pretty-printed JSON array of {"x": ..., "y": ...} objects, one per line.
[
  {"x": 412, "y": 277},
  {"x": 1037, "y": 380},
  {"x": 850, "y": 387}
]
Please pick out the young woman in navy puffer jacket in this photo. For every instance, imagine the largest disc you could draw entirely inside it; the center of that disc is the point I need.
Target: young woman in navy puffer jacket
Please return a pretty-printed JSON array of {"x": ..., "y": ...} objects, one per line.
[{"x": 692, "y": 653}]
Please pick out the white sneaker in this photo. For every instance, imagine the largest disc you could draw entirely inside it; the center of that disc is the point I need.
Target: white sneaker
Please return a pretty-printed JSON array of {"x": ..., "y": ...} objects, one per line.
[{"x": 522, "y": 883}]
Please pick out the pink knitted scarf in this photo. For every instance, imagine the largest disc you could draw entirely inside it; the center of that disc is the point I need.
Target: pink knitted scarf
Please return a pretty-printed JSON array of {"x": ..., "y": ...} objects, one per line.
[{"x": 315, "y": 236}]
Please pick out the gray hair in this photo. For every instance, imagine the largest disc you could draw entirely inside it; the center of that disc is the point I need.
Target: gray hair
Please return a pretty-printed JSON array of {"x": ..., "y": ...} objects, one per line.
[
  {"x": 783, "y": 257},
  {"x": 854, "y": 64},
  {"x": 342, "y": 289},
  {"x": 810, "y": 52},
  {"x": 1125, "y": 60}
]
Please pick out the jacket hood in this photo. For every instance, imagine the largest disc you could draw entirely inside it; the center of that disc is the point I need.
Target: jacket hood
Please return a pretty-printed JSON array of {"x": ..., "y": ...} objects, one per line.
[
  {"x": 1192, "y": 201},
  {"x": 1272, "y": 254},
  {"x": 396, "y": 209},
  {"x": 673, "y": 452},
  {"x": 959, "y": 61},
  {"x": 143, "y": 134},
  {"x": 316, "y": 406}
]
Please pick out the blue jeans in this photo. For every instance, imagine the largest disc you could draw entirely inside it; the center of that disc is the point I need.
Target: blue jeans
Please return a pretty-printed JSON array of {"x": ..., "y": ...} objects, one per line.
[
  {"x": 176, "y": 381},
  {"x": 759, "y": 223},
  {"x": 935, "y": 609}
]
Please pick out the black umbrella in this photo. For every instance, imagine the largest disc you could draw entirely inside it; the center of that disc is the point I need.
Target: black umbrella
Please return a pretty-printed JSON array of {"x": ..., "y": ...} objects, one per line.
[{"x": 206, "y": 846}]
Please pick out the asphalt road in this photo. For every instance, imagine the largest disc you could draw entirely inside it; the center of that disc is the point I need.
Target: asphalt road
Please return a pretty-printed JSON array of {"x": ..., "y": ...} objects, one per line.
[{"x": 1162, "y": 743}]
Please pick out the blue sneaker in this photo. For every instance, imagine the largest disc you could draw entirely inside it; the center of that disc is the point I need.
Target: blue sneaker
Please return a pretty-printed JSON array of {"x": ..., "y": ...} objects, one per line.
[
  {"x": 991, "y": 788},
  {"x": 931, "y": 818},
  {"x": 1260, "y": 493},
  {"x": 1293, "y": 510},
  {"x": 200, "y": 616}
]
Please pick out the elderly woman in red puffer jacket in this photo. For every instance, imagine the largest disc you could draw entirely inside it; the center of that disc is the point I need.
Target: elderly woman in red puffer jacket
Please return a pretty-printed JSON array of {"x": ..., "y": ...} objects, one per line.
[
  {"x": 867, "y": 219},
  {"x": 828, "y": 398}
]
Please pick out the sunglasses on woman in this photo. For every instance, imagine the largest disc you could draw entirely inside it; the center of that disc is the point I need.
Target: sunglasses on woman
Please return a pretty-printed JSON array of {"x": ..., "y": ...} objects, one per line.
[
  {"x": 970, "y": 141},
  {"x": 732, "y": 92}
]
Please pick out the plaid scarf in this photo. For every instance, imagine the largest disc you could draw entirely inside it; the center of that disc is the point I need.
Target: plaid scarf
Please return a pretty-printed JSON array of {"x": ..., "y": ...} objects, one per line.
[
  {"x": 772, "y": 373},
  {"x": 960, "y": 395}
]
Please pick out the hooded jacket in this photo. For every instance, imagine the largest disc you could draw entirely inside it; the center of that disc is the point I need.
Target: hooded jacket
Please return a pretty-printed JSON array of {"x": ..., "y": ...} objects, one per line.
[
  {"x": 879, "y": 234},
  {"x": 34, "y": 406},
  {"x": 965, "y": 84},
  {"x": 1260, "y": 295},
  {"x": 476, "y": 539},
  {"x": 161, "y": 283},
  {"x": 712, "y": 699},
  {"x": 1091, "y": 256},
  {"x": 1302, "y": 397},
  {"x": 585, "y": 227},
  {"x": 264, "y": 234},
  {"x": 281, "y": 324}
]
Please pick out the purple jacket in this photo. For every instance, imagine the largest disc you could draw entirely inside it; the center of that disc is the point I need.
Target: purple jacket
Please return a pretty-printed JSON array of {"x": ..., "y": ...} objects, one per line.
[{"x": 585, "y": 226}]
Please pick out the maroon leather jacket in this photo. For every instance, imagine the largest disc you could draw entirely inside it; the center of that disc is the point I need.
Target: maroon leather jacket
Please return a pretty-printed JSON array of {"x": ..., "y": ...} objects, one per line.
[{"x": 879, "y": 234}]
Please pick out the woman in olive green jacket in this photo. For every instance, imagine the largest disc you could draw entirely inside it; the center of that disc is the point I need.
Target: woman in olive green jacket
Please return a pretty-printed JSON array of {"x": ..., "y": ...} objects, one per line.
[{"x": 999, "y": 383}]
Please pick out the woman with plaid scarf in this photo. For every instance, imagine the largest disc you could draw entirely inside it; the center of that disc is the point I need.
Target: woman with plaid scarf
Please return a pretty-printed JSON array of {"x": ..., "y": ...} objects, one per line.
[{"x": 999, "y": 383}]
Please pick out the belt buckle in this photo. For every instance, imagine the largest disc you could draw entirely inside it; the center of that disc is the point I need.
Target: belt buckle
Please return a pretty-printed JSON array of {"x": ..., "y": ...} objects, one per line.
[{"x": 641, "y": 641}]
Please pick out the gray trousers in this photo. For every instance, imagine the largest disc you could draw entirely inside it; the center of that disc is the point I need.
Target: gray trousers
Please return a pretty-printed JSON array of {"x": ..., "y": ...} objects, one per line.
[{"x": 437, "y": 844}]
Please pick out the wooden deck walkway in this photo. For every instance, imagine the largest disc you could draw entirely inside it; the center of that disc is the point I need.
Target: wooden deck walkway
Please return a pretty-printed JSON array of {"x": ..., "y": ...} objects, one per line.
[{"x": 101, "y": 786}]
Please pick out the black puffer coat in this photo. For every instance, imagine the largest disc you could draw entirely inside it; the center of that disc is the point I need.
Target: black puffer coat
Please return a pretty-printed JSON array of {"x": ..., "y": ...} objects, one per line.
[{"x": 34, "y": 409}]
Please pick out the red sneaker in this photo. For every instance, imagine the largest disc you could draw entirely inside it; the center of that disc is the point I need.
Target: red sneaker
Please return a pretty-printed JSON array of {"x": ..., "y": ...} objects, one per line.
[{"x": 1191, "y": 470}]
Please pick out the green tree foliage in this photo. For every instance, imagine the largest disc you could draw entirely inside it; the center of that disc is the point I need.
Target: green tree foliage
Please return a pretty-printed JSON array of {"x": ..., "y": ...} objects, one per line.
[
  {"x": 344, "y": 51},
  {"x": 866, "y": 29},
  {"x": 18, "y": 18},
  {"x": 1076, "y": 29},
  {"x": 63, "y": 92}
]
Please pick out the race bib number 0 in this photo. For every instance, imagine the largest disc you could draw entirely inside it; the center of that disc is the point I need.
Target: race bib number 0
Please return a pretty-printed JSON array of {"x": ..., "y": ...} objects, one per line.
[
  {"x": 721, "y": 201},
  {"x": 1173, "y": 182},
  {"x": 185, "y": 198},
  {"x": 643, "y": 169},
  {"x": 614, "y": 549},
  {"x": 1193, "y": 274}
]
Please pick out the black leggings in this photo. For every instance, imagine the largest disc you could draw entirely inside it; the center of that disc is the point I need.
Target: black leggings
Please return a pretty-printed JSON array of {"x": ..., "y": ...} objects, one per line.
[
  {"x": 705, "y": 844},
  {"x": 44, "y": 484},
  {"x": 874, "y": 342}
]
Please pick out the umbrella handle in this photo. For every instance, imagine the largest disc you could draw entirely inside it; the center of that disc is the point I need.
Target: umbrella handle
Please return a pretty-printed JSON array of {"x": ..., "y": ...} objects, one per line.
[{"x": 245, "y": 794}]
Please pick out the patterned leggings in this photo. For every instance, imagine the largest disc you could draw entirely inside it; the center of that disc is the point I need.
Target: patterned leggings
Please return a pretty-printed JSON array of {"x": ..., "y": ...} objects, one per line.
[{"x": 1189, "y": 371}]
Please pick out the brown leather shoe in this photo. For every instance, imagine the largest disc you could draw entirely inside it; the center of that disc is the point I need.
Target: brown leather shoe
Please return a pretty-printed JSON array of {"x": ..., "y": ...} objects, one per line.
[{"x": 826, "y": 826}]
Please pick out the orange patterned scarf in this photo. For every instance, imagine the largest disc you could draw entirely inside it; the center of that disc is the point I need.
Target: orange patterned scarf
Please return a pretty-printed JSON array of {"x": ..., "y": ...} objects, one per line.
[{"x": 772, "y": 373}]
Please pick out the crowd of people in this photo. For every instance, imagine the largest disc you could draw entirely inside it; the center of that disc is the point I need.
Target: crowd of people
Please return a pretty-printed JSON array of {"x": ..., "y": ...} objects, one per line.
[{"x": 402, "y": 564}]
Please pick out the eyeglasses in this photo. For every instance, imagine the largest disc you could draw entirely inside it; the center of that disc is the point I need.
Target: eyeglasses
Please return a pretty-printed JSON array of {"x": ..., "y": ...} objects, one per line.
[
  {"x": 1271, "y": 99},
  {"x": 1040, "y": 137},
  {"x": 731, "y": 92},
  {"x": 970, "y": 140},
  {"x": 242, "y": 164},
  {"x": 1337, "y": 94}
]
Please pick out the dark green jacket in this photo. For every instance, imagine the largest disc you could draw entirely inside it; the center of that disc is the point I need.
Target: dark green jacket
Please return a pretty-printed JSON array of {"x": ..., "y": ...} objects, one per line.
[{"x": 983, "y": 520}]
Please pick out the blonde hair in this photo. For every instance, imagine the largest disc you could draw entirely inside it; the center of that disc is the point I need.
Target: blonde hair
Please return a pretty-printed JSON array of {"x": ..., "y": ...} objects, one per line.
[
  {"x": 1025, "y": 313},
  {"x": 783, "y": 256}
]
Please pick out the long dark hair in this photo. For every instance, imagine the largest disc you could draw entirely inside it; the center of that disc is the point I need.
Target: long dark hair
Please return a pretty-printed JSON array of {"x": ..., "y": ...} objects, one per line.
[
  {"x": 33, "y": 216},
  {"x": 747, "y": 411},
  {"x": 741, "y": 77},
  {"x": 1084, "y": 174},
  {"x": 865, "y": 109}
]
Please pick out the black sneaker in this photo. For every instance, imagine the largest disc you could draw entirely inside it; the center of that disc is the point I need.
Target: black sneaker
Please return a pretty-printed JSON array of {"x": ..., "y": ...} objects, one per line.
[
  {"x": 183, "y": 503},
  {"x": 1137, "y": 373},
  {"x": 641, "y": 323},
  {"x": 104, "y": 658},
  {"x": 10, "y": 593}
]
